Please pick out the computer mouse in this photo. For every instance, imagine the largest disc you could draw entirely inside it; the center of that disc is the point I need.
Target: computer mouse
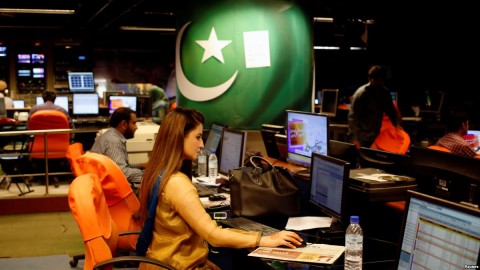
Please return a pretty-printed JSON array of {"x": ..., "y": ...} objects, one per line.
[{"x": 217, "y": 197}]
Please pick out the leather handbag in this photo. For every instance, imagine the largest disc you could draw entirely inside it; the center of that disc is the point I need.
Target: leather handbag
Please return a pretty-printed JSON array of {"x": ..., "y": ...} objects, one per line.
[{"x": 263, "y": 190}]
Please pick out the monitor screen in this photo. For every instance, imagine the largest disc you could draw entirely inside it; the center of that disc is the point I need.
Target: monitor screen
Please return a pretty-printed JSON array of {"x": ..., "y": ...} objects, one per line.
[
  {"x": 431, "y": 102},
  {"x": 38, "y": 72},
  {"x": 306, "y": 133},
  {"x": 329, "y": 177},
  {"x": 214, "y": 138},
  {"x": 61, "y": 101},
  {"x": 81, "y": 82},
  {"x": 23, "y": 58},
  {"x": 115, "y": 102},
  {"x": 3, "y": 51},
  {"x": 472, "y": 137},
  {"x": 438, "y": 234},
  {"x": 85, "y": 104},
  {"x": 38, "y": 58},
  {"x": 233, "y": 150},
  {"x": 329, "y": 102},
  {"x": 144, "y": 106},
  {"x": 18, "y": 103},
  {"x": 24, "y": 73},
  {"x": 268, "y": 132}
]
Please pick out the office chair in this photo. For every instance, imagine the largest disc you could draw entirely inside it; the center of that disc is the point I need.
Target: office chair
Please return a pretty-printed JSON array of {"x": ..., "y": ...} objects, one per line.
[
  {"x": 391, "y": 138},
  {"x": 57, "y": 144},
  {"x": 99, "y": 230},
  {"x": 438, "y": 148},
  {"x": 74, "y": 150}
]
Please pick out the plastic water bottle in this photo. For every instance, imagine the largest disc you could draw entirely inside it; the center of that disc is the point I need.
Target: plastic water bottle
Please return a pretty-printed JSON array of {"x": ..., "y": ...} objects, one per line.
[
  {"x": 354, "y": 245},
  {"x": 212, "y": 167},
  {"x": 202, "y": 164}
]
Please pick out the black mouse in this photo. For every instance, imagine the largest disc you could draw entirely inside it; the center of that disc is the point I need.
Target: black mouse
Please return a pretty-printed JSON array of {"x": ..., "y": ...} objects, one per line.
[{"x": 217, "y": 197}]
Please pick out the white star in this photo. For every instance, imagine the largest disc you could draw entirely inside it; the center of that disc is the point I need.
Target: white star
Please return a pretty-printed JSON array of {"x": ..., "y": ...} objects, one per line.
[{"x": 213, "y": 46}]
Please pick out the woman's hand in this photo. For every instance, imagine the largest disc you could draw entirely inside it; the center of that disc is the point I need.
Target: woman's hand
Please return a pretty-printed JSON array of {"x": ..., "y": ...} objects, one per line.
[{"x": 282, "y": 238}]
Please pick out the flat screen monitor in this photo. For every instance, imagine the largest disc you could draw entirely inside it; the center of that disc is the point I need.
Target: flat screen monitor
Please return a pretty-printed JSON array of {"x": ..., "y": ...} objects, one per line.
[
  {"x": 38, "y": 72},
  {"x": 61, "y": 101},
  {"x": 394, "y": 97},
  {"x": 3, "y": 51},
  {"x": 389, "y": 162},
  {"x": 214, "y": 138},
  {"x": 446, "y": 175},
  {"x": 85, "y": 104},
  {"x": 438, "y": 234},
  {"x": 473, "y": 138},
  {"x": 115, "y": 102},
  {"x": 23, "y": 58},
  {"x": 268, "y": 132},
  {"x": 329, "y": 102},
  {"x": 344, "y": 151},
  {"x": 306, "y": 133},
  {"x": 81, "y": 82},
  {"x": 431, "y": 102},
  {"x": 18, "y": 103},
  {"x": 328, "y": 179},
  {"x": 24, "y": 73},
  {"x": 38, "y": 58},
  {"x": 144, "y": 106},
  {"x": 233, "y": 150}
]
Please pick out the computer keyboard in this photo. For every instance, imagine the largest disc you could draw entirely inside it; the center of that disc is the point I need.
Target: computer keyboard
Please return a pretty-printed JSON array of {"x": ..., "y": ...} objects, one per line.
[
  {"x": 204, "y": 191},
  {"x": 248, "y": 225}
]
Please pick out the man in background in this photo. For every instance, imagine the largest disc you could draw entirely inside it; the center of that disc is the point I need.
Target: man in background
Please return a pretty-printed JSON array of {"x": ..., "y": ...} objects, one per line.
[
  {"x": 370, "y": 102},
  {"x": 48, "y": 104},
  {"x": 457, "y": 127},
  {"x": 113, "y": 143},
  {"x": 4, "y": 93}
]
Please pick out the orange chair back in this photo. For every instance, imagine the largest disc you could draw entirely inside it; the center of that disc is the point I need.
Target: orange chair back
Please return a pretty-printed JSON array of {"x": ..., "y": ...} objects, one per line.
[
  {"x": 391, "y": 138},
  {"x": 121, "y": 201},
  {"x": 74, "y": 150},
  {"x": 89, "y": 208},
  {"x": 57, "y": 143},
  {"x": 438, "y": 148}
]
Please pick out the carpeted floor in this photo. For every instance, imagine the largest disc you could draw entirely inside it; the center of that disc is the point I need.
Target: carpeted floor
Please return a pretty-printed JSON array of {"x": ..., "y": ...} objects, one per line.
[
  {"x": 39, "y": 234},
  {"x": 53, "y": 262}
]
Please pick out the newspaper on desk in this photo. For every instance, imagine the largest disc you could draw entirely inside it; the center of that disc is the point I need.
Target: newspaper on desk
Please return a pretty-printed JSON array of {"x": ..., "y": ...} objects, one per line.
[{"x": 314, "y": 253}]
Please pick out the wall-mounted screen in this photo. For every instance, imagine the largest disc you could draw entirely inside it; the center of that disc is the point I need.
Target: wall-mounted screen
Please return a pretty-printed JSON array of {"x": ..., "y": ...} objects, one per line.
[
  {"x": 38, "y": 58},
  {"x": 3, "y": 51},
  {"x": 23, "y": 58},
  {"x": 24, "y": 73},
  {"x": 81, "y": 82},
  {"x": 38, "y": 72}
]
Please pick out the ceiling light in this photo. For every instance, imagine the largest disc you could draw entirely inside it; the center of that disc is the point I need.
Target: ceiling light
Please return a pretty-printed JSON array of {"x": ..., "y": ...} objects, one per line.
[
  {"x": 37, "y": 11},
  {"x": 137, "y": 28}
]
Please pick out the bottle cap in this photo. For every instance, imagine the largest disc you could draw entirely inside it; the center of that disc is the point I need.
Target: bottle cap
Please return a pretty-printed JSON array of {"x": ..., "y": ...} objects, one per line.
[{"x": 354, "y": 219}]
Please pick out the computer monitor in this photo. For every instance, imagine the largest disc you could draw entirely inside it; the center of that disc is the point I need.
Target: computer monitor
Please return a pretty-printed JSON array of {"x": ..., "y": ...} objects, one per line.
[
  {"x": 18, "y": 103},
  {"x": 438, "y": 234},
  {"x": 306, "y": 133},
  {"x": 268, "y": 132},
  {"x": 344, "y": 151},
  {"x": 233, "y": 150},
  {"x": 389, "y": 162},
  {"x": 61, "y": 101},
  {"x": 394, "y": 96},
  {"x": 329, "y": 102},
  {"x": 431, "y": 104},
  {"x": 473, "y": 138},
  {"x": 115, "y": 102},
  {"x": 85, "y": 104},
  {"x": 445, "y": 175},
  {"x": 81, "y": 82},
  {"x": 3, "y": 109},
  {"x": 214, "y": 137},
  {"x": 328, "y": 179},
  {"x": 144, "y": 106}
]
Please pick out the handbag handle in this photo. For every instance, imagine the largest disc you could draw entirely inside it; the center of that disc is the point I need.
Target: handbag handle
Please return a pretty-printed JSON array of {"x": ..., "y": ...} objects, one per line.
[{"x": 270, "y": 165}]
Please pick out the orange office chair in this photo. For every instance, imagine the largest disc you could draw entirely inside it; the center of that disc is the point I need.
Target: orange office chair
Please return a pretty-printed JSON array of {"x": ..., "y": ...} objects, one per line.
[
  {"x": 74, "y": 150},
  {"x": 122, "y": 202},
  {"x": 57, "y": 144},
  {"x": 99, "y": 230},
  {"x": 438, "y": 148},
  {"x": 391, "y": 138}
]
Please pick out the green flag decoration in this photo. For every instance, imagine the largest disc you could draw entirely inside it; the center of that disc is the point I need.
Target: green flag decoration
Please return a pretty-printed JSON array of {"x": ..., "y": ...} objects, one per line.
[{"x": 243, "y": 63}]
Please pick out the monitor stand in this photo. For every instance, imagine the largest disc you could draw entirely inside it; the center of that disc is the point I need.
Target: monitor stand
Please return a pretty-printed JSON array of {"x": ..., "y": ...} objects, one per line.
[{"x": 335, "y": 229}]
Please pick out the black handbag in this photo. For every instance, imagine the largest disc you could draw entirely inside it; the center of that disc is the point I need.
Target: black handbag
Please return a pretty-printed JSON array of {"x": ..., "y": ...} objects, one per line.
[{"x": 259, "y": 190}]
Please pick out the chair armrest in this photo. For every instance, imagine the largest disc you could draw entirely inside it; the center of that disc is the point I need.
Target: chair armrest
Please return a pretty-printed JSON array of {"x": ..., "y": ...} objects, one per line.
[
  {"x": 137, "y": 259},
  {"x": 129, "y": 233}
]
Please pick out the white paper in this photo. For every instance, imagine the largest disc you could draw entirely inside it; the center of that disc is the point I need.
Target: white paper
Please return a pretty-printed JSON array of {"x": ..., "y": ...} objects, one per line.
[
  {"x": 316, "y": 253},
  {"x": 309, "y": 222},
  {"x": 205, "y": 181},
  {"x": 257, "y": 49}
]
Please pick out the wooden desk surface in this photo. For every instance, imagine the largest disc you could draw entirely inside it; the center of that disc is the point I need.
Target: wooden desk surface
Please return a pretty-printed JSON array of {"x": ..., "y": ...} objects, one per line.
[{"x": 291, "y": 167}]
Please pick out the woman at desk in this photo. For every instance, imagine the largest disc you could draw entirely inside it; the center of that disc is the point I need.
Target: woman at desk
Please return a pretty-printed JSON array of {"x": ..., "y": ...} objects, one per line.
[{"x": 182, "y": 226}]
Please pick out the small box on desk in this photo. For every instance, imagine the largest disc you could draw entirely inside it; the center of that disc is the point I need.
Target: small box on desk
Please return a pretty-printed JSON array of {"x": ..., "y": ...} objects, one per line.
[{"x": 375, "y": 185}]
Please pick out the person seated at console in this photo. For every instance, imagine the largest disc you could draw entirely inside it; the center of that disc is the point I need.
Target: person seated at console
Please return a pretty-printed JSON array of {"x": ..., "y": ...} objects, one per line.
[
  {"x": 181, "y": 224},
  {"x": 113, "y": 142},
  {"x": 457, "y": 127},
  {"x": 48, "y": 104}
]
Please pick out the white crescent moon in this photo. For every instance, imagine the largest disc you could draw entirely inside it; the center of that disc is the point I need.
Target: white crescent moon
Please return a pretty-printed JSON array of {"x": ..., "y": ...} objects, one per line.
[{"x": 193, "y": 91}]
